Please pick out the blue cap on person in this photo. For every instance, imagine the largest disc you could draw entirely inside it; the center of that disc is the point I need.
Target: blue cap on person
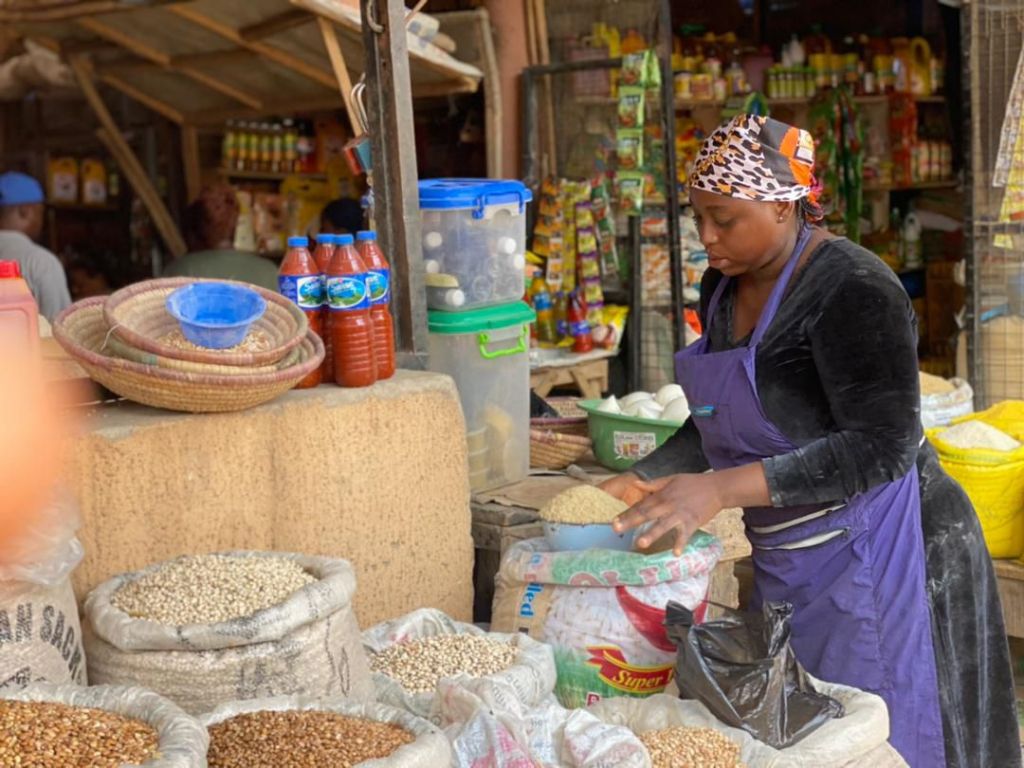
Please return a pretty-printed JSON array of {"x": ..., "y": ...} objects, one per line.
[{"x": 19, "y": 189}]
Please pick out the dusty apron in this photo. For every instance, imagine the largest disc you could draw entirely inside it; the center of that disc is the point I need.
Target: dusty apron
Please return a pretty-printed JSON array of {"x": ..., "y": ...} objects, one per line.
[{"x": 854, "y": 572}]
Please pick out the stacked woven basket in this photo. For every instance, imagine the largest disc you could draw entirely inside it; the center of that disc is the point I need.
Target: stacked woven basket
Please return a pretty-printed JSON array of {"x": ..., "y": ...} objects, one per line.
[
  {"x": 557, "y": 442},
  {"x": 126, "y": 342}
]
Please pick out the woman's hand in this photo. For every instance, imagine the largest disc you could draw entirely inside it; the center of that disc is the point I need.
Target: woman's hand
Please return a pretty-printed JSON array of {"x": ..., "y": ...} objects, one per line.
[
  {"x": 682, "y": 502},
  {"x": 626, "y": 487}
]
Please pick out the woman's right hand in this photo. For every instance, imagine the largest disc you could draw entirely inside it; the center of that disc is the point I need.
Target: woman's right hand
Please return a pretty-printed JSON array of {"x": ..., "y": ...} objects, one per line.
[{"x": 626, "y": 487}]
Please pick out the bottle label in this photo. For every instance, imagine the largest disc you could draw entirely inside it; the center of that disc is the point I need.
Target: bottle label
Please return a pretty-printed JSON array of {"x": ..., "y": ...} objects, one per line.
[
  {"x": 306, "y": 291},
  {"x": 378, "y": 284},
  {"x": 542, "y": 301},
  {"x": 580, "y": 328},
  {"x": 347, "y": 293}
]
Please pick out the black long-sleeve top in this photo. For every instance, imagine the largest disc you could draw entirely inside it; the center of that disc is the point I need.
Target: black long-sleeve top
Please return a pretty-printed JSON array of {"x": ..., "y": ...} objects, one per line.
[{"x": 836, "y": 373}]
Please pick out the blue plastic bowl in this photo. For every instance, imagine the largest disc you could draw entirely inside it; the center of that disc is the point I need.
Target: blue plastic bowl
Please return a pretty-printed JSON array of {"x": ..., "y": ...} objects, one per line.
[
  {"x": 215, "y": 315},
  {"x": 567, "y": 537}
]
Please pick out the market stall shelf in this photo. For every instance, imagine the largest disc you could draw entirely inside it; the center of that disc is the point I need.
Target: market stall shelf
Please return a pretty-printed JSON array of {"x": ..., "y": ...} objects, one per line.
[{"x": 587, "y": 372}]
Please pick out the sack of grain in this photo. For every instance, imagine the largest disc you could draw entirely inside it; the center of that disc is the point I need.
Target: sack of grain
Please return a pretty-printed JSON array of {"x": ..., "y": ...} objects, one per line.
[
  {"x": 857, "y": 740},
  {"x": 941, "y": 405},
  {"x": 40, "y": 634},
  {"x": 602, "y": 611},
  {"x": 310, "y": 725},
  {"x": 421, "y": 660},
  {"x": 236, "y": 626},
  {"x": 175, "y": 739}
]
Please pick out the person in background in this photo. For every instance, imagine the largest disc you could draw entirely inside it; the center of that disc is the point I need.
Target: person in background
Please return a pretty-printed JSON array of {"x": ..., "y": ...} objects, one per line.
[
  {"x": 343, "y": 216},
  {"x": 21, "y": 223},
  {"x": 87, "y": 278},
  {"x": 209, "y": 229}
]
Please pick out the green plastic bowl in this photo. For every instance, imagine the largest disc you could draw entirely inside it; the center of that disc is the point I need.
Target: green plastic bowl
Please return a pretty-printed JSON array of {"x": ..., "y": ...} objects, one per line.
[{"x": 621, "y": 441}]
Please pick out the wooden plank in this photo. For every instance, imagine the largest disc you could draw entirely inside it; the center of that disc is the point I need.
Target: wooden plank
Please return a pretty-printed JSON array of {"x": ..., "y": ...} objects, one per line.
[
  {"x": 330, "y": 37},
  {"x": 490, "y": 513},
  {"x": 190, "y": 161},
  {"x": 158, "y": 106},
  {"x": 111, "y": 136},
  {"x": 270, "y": 52},
  {"x": 271, "y": 26},
  {"x": 163, "y": 58},
  {"x": 550, "y": 160},
  {"x": 216, "y": 117},
  {"x": 1010, "y": 575},
  {"x": 212, "y": 58}
]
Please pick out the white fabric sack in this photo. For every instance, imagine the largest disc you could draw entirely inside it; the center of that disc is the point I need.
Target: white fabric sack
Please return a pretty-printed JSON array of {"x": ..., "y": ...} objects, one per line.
[
  {"x": 529, "y": 680},
  {"x": 40, "y": 632},
  {"x": 941, "y": 410},
  {"x": 309, "y": 645},
  {"x": 430, "y": 750},
  {"x": 858, "y": 740},
  {"x": 182, "y": 740}
]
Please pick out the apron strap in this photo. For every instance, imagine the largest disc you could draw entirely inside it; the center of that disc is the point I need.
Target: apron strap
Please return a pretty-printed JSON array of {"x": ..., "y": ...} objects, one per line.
[{"x": 775, "y": 300}]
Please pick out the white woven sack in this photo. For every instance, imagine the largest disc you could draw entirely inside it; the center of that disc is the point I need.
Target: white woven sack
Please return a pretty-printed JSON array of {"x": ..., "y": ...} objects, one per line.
[
  {"x": 182, "y": 741},
  {"x": 430, "y": 750},
  {"x": 529, "y": 680},
  {"x": 309, "y": 645},
  {"x": 857, "y": 740},
  {"x": 941, "y": 410}
]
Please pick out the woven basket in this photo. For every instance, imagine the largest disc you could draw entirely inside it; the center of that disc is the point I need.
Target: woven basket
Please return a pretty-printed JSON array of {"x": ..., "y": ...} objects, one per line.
[
  {"x": 115, "y": 347},
  {"x": 82, "y": 331},
  {"x": 556, "y": 450},
  {"x": 139, "y": 317},
  {"x": 571, "y": 419}
]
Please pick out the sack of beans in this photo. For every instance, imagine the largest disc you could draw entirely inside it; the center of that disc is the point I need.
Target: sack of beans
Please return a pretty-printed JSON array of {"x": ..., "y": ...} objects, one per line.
[
  {"x": 602, "y": 611},
  {"x": 207, "y": 629},
  {"x": 46, "y": 726},
  {"x": 297, "y": 730},
  {"x": 681, "y": 734},
  {"x": 422, "y": 660}
]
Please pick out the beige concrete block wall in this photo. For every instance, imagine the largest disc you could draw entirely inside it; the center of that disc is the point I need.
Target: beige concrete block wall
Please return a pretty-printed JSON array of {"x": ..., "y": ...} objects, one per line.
[{"x": 376, "y": 475}]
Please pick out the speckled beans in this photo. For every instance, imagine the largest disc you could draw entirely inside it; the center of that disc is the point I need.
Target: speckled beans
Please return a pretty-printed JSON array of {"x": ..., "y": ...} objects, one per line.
[
  {"x": 683, "y": 747},
  {"x": 418, "y": 664}
]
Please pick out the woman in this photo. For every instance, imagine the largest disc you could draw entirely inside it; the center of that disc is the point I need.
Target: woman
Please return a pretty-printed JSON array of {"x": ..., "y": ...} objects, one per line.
[
  {"x": 805, "y": 403},
  {"x": 209, "y": 229}
]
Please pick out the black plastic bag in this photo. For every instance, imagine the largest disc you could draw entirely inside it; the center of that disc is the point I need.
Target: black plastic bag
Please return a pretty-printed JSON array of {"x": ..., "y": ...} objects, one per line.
[{"x": 743, "y": 669}]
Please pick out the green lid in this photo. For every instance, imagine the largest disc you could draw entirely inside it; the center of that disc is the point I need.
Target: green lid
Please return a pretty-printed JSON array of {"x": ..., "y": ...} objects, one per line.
[{"x": 477, "y": 320}]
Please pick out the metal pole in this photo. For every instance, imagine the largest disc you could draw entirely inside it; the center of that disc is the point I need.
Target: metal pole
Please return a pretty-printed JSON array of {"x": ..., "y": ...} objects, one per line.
[
  {"x": 671, "y": 182},
  {"x": 971, "y": 230},
  {"x": 395, "y": 188}
]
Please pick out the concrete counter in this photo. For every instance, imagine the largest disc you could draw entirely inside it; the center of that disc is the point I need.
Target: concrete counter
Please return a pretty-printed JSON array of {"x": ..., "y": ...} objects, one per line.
[{"x": 375, "y": 475}]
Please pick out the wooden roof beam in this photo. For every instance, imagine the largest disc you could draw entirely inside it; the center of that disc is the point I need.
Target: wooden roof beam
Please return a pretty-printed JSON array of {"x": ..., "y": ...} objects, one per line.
[
  {"x": 270, "y": 52},
  {"x": 155, "y": 55},
  {"x": 211, "y": 58},
  {"x": 271, "y": 26},
  {"x": 146, "y": 99}
]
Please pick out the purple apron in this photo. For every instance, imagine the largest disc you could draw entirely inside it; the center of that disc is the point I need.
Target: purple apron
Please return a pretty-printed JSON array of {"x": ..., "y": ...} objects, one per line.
[{"x": 854, "y": 572}]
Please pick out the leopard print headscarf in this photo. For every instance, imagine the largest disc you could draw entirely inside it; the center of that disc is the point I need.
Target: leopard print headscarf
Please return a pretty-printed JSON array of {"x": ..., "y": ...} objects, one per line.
[{"x": 756, "y": 158}]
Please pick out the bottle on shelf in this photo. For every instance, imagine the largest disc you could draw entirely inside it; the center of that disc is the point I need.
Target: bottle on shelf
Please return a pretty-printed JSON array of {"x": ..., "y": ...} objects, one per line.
[
  {"x": 277, "y": 148},
  {"x": 351, "y": 323},
  {"x": 266, "y": 147},
  {"x": 378, "y": 284},
  {"x": 561, "y": 315},
  {"x": 229, "y": 147},
  {"x": 291, "y": 146},
  {"x": 299, "y": 281},
  {"x": 541, "y": 300},
  {"x": 579, "y": 326},
  {"x": 323, "y": 255}
]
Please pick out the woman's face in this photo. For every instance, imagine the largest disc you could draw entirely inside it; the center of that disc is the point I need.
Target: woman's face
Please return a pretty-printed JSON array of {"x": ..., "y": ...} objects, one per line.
[{"x": 741, "y": 236}]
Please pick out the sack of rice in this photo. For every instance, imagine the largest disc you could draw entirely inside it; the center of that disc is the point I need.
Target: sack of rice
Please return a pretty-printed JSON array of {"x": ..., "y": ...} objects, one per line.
[
  {"x": 417, "y": 657},
  {"x": 942, "y": 401},
  {"x": 298, "y": 730},
  {"x": 675, "y": 731},
  {"x": 207, "y": 629},
  {"x": 602, "y": 611},
  {"x": 101, "y": 727}
]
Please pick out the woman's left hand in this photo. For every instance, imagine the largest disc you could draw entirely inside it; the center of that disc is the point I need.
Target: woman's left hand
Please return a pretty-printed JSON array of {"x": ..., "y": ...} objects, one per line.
[{"x": 681, "y": 502}]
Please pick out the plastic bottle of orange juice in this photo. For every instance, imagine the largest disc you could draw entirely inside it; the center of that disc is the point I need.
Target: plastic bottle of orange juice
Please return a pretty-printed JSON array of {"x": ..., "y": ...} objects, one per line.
[{"x": 19, "y": 314}]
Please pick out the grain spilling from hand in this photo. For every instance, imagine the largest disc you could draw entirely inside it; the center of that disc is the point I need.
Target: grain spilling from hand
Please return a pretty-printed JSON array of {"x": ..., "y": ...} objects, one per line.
[
  {"x": 46, "y": 735},
  {"x": 584, "y": 504},
  {"x": 683, "y": 747},
  {"x": 256, "y": 340},
  {"x": 418, "y": 665},
  {"x": 935, "y": 385},
  {"x": 208, "y": 589},
  {"x": 978, "y": 434},
  {"x": 300, "y": 739}
]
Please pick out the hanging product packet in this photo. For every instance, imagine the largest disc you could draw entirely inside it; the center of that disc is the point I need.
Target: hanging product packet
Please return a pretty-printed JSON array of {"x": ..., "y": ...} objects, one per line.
[
  {"x": 634, "y": 70},
  {"x": 629, "y": 148},
  {"x": 631, "y": 107},
  {"x": 600, "y": 202},
  {"x": 631, "y": 192}
]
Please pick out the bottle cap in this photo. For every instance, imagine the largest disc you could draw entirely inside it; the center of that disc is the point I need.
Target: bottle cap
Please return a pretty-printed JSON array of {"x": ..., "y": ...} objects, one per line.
[
  {"x": 298, "y": 242},
  {"x": 343, "y": 240},
  {"x": 326, "y": 238},
  {"x": 366, "y": 234}
]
